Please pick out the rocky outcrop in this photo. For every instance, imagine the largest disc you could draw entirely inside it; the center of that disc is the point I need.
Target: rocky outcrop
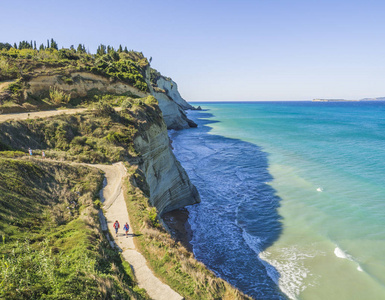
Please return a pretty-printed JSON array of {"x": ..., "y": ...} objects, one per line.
[
  {"x": 171, "y": 89},
  {"x": 169, "y": 185},
  {"x": 78, "y": 84},
  {"x": 170, "y": 102}
]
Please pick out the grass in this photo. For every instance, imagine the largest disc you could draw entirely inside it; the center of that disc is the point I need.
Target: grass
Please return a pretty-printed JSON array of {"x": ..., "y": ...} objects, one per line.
[
  {"x": 51, "y": 245},
  {"x": 101, "y": 135},
  {"x": 170, "y": 260}
]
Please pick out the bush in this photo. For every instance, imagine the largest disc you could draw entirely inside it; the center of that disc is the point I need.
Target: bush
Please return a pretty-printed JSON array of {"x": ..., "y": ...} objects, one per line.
[
  {"x": 58, "y": 97},
  {"x": 103, "y": 109}
]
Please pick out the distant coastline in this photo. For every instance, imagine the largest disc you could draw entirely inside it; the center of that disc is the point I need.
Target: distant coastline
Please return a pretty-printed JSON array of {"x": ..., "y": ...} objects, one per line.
[{"x": 344, "y": 100}]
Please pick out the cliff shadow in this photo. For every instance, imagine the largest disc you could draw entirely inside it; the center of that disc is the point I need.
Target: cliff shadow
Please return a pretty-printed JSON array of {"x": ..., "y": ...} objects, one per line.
[{"x": 238, "y": 217}]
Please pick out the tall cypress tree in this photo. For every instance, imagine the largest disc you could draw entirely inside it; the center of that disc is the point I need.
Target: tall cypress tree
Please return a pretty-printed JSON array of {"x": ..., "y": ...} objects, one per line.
[{"x": 54, "y": 45}]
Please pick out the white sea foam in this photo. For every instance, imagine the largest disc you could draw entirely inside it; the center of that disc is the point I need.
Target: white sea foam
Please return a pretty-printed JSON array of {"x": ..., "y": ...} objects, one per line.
[
  {"x": 342, "y": 254},
  {"x": 320, "y": 189},
  {"x": 286, "y": 267},
  {"x": 290, "y": 263}
]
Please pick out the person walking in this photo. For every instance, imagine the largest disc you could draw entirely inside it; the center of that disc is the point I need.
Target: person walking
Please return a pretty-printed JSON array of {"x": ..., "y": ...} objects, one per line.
[
  {"x": 126, "y": 228},
  {"x": 43, "y": 154},
  {"x": 116, "y": 226},
  {"x": 30, "y": 151}
]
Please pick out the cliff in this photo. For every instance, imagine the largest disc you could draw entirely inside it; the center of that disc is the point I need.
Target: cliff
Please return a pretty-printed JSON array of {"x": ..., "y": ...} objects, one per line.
[
  {"x": 137, "y": 135},
  {"x": 86, "y": 85},
  {"x": 169, "y": 186},
  {"x": 78, "y": 85},
  {"x": 170, "y": 102}
]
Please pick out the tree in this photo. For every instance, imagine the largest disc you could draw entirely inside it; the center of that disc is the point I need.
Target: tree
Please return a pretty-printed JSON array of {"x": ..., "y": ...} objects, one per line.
[
  {"x": 101, "y": 50},
  {"x": 34, "y": 45},
  {"x": 120, "y": 50},
  {"x": 5, "y": 46},
  {"x": 54, "y": 45},
  {"x": 125, "y": 50},
  {"x": 41, "y": 47},
  {"x": 47, "y": 44},
  {"x": 80, "y": 48},
  {"x": 14, "y": 45}
]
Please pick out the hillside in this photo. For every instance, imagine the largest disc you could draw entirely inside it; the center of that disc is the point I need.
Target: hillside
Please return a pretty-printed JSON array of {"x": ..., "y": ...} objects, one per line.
[
  {"x": 49, "y": 78},
  {"x": 49, "y": 222}
]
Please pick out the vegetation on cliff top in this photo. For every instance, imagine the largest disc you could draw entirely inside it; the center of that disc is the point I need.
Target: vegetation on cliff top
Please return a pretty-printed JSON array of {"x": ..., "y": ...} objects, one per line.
[
  {"x": 20, "y": 64},
  {"x": 102, "y": 135}
]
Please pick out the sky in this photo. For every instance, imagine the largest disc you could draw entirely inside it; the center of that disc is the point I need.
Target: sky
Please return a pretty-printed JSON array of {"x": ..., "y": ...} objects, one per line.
[{"x": 226, "y": 50}]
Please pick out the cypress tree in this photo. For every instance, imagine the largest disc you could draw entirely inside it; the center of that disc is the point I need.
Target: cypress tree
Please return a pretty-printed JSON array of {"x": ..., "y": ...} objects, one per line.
[
  {"x": 120, "y": 49},
  {"x": 14, "y": 45},
  {"x": 47, "y": 44},
  {"x": 54, "y": 45},
  {"x": 125, "y": 49},
  {"x": 41, "y": 47}
]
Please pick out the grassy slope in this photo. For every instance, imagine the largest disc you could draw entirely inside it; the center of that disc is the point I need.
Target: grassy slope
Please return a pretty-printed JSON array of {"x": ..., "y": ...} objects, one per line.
[
  {"x": 19, "y": 66},
  {"x": 52, "y": 245},
  {"x": 106, "y": 136}
]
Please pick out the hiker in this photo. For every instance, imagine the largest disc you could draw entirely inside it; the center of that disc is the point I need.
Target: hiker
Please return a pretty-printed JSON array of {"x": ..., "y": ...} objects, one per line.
[
  {"x": 126, "y": 228},
  {"x": 43, "y": 154},
  {"x": 30, "y": 151},
  {"x": 116, "y": 226}
]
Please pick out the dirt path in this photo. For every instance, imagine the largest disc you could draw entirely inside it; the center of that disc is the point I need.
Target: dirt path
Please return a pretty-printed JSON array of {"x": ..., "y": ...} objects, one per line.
[
  {"x": 39, "y": 114},
  {"x": 43, "y": 114},
  {"x": 115, "y": 209}
]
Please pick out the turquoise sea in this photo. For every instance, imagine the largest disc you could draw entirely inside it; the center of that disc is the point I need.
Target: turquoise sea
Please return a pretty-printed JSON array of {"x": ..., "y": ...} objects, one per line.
[{"x": 293, "y": 196}]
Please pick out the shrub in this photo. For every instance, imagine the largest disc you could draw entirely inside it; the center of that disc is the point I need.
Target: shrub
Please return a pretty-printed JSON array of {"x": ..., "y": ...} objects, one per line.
[
  {"x": 58, "y": 97},
  {"x": 103, "y": 109}
]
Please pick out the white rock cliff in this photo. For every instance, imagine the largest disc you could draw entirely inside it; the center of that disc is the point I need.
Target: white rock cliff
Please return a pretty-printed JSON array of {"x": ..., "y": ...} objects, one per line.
[{"x": 170, "y": 187}]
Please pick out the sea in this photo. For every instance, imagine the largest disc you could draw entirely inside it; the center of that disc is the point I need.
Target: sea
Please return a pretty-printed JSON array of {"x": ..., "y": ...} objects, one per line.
[{"x": 293, "y": 196}]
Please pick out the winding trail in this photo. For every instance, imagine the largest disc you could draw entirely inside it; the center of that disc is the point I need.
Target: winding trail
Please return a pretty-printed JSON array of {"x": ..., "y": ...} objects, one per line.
[{"x": 115, "y": 209}]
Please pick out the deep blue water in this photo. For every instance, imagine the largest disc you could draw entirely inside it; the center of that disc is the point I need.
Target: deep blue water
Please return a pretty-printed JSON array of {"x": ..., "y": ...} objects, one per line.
[{"x": 293, "y": 196}]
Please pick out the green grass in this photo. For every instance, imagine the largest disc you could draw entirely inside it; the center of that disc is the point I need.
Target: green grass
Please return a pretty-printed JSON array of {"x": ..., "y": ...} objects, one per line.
[
  {"x": 97, "y": 136},
  {"x": 51, "y": 244}
]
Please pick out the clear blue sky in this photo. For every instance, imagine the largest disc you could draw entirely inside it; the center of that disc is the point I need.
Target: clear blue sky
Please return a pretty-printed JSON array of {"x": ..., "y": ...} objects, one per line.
[{"x": 227, "y": 49}]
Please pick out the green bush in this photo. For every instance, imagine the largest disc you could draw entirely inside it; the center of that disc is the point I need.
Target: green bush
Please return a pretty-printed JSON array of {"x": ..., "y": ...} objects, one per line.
[{"x": 58, "y": 97}]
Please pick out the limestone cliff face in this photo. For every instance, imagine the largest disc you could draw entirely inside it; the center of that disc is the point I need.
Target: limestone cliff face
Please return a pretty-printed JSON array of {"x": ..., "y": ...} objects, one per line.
[
  {"x": 170, "y": 187},
  {"x": 78, "y": 85},
  {"x": 171, "y": 89},
  {"x": 171, "y": 103}
]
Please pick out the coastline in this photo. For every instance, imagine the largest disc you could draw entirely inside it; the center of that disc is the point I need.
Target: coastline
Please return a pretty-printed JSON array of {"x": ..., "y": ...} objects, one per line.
[{"x": 179, "y": 227}]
